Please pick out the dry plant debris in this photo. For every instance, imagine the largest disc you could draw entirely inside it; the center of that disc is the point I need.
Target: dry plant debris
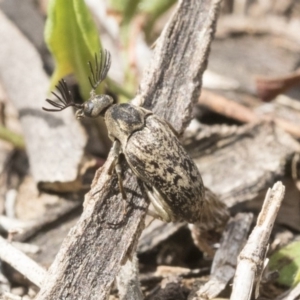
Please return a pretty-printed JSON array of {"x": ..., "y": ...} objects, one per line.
[{"x": 243, "y": 146}]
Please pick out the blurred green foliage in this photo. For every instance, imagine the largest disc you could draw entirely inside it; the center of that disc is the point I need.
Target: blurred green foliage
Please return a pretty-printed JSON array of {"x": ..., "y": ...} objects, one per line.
[
  {"x": 287, "y": 262},
  {"x": 15, "y": 139},
  {"x": 151, "y": 10},
  {"x": 73, "y": 39}
]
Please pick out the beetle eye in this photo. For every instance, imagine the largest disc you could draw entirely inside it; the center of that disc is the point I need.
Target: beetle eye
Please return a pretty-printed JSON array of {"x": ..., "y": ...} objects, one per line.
[
  {"x": 88, "y": 108},
  {"x": 97, "y": 106}
]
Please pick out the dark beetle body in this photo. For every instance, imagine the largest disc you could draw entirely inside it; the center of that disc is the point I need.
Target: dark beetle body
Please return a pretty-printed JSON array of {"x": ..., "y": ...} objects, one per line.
[
  {"x": 171, "y": 179},
  {"x": 155, "y": 155}
]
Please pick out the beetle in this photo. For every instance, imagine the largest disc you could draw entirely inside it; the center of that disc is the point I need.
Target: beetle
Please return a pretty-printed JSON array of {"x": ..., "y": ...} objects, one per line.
[{"x": 150, "y": 146}]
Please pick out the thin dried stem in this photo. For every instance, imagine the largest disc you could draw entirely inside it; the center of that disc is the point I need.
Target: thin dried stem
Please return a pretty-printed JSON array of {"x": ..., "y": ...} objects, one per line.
[
  {"x": 21, "y": 262},
  {"x": 252, "y": 257}
]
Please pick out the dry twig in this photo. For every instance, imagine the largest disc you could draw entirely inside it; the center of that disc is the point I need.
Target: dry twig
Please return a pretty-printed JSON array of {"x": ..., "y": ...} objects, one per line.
[
  {"x": 270, "y": 87},
  {"x": 231, "y": 109},
  {"x": 252, "y": 258},
  {"x": 225, "y": 260},
  {"x": 21, "y": 262}
]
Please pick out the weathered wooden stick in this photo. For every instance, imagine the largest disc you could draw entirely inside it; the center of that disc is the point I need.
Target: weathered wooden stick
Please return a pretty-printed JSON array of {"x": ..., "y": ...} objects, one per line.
[{"x": 252, "y": 257}]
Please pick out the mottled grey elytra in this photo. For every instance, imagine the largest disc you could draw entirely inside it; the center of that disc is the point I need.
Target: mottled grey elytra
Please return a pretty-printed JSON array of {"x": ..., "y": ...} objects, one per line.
[{"x": 170, "y": 177}]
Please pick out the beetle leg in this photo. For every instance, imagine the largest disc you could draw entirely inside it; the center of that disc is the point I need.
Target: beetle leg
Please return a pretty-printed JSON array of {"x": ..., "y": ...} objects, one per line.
[
  {"x": 115, "y": 166},
  {"x": 162, "y": 211},
  {"x": 116, "y": 149},
  {"x": 118, "y": 170}
]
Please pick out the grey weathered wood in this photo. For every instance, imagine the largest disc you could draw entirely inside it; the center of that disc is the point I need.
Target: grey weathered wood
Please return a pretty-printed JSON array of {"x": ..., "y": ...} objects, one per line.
[
  {"x": 225, "y": 260},
  {"x": 173, "y": 81},
  {"x": 251, "y": 260},
  {"x": 92, "y": 254},
  {"x": 128, "y": 281},
  {"x": 237, "y": 164},
  {"x": 156, "y": 233},
  {"x": 241, "y": 164},
  {"x": 98, "y": 245}
]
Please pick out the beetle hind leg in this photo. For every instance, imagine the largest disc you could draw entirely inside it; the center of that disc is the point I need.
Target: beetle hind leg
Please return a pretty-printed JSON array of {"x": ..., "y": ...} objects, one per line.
[{"x": 162, "y": 210}]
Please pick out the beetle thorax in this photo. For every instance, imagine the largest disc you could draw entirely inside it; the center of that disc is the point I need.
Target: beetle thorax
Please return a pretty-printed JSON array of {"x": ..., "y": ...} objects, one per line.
[{"x": 124, "y": 119}]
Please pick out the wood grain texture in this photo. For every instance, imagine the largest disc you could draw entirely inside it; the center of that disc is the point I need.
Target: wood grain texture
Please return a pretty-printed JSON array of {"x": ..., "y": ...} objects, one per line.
[{"x": 172, "y": 84}]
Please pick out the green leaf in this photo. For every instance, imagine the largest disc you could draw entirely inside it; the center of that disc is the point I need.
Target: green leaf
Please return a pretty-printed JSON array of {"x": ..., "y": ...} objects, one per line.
[
  {"x": 73, "y": 39},
  {"x": 287, "y": 262}
]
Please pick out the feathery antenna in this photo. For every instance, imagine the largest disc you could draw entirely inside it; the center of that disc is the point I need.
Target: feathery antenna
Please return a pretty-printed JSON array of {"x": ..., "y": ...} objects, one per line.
[
  {"x": 65, "y": 100},
  {"x": 100, "y": 71},
  {"x": 98, "y": 74}
]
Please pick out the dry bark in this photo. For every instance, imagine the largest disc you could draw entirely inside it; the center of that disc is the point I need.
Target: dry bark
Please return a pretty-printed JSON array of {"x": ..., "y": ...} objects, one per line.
[
  {"x": 156, "y": 233},
  {"x": 128, "y": 281},
  {"x": 92, "y": 254},
  {"x": 237, "y": 167}
]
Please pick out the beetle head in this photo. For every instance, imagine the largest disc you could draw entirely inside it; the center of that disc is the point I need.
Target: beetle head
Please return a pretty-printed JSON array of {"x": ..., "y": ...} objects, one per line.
[{"x": 95, "y": 106}]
